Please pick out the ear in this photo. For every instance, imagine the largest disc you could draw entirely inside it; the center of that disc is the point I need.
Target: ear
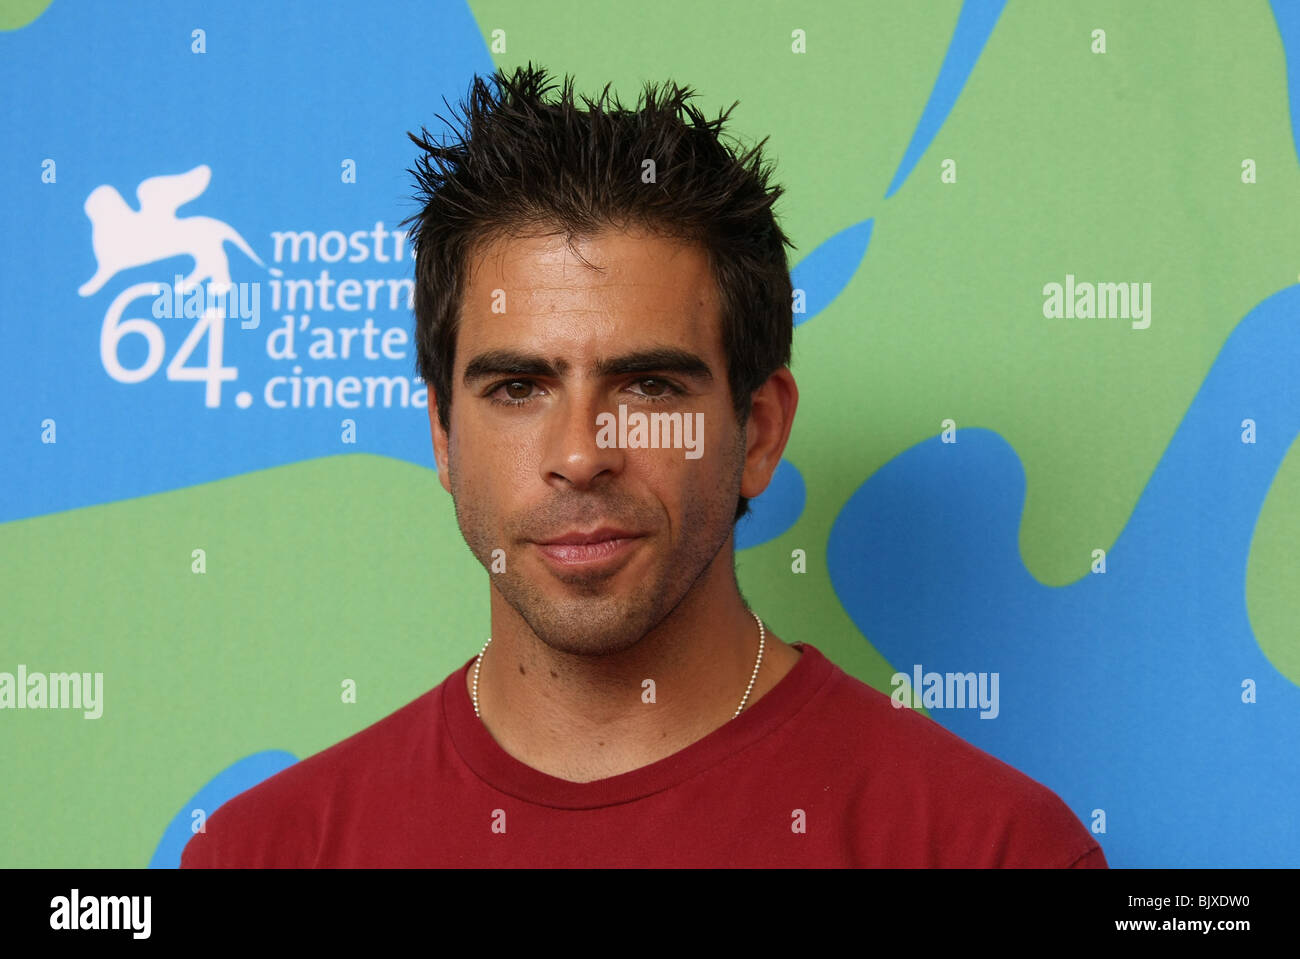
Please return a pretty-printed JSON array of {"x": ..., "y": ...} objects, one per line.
[
  {"x": 439, "y": 442},
  {"x": 770, "y": 418}
]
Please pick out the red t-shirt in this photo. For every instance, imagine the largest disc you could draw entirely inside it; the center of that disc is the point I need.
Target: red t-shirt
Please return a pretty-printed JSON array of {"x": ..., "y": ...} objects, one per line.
[{"x": 821, "y": 771}]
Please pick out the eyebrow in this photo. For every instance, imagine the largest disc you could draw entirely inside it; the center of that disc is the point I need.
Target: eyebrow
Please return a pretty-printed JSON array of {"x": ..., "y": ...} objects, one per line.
[{"x": 659, "y": 360}]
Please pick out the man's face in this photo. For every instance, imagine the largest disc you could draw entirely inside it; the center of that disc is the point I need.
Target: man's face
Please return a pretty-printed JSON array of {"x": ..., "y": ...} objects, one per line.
[{"x": 564, "y": 343}]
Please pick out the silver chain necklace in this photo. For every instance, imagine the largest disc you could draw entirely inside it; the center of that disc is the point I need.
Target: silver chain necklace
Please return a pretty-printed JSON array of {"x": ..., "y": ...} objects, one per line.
[{"x": 762, "y": 637}]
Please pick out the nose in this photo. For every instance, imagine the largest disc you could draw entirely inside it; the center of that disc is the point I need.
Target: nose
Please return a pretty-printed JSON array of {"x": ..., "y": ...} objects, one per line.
[{"x": 571, "y": 453}]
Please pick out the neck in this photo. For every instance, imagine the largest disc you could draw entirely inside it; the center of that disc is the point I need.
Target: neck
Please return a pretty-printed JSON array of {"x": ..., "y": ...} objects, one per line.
[{"x": 583, "y": 718}]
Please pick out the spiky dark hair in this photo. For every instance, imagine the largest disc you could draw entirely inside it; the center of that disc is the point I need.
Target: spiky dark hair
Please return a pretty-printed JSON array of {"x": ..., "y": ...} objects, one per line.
[{"x": 520, "y": 164}]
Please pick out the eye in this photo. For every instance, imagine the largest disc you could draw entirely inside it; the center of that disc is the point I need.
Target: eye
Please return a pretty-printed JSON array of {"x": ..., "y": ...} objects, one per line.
[
  {"x": 520, "y": 392},
  {"x": 660, "y": 390},
  {"x": 517, "y": 393}
]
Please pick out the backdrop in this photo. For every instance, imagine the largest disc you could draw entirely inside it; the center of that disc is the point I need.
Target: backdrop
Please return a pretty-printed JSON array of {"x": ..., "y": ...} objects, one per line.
[{"x": 1017, "y": 495}]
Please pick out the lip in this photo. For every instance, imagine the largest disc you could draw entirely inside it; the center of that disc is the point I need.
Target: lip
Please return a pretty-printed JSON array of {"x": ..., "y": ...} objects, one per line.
[
  {"x": 601, "y": 548},
  {"x": 576, "y": 538}
]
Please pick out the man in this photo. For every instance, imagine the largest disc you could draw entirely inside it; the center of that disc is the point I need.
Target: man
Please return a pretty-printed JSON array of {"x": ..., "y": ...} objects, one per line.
[{"x": 603, "y": 315}]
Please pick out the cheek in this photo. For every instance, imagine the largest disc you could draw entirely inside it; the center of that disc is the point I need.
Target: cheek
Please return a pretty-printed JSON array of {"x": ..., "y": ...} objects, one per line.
[
  {"x": 489, "y": 461},
  {"x": 692, "y": 490}
]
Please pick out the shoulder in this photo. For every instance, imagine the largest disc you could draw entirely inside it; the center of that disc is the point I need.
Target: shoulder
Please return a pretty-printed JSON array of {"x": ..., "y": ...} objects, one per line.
[
  {"x": 968, "y": 806},
  {"x": 284, "y": 820}
]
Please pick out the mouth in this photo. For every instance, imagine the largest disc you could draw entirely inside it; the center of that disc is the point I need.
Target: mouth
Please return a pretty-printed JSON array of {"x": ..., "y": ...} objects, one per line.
[{"x": 600, "y": 548}]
